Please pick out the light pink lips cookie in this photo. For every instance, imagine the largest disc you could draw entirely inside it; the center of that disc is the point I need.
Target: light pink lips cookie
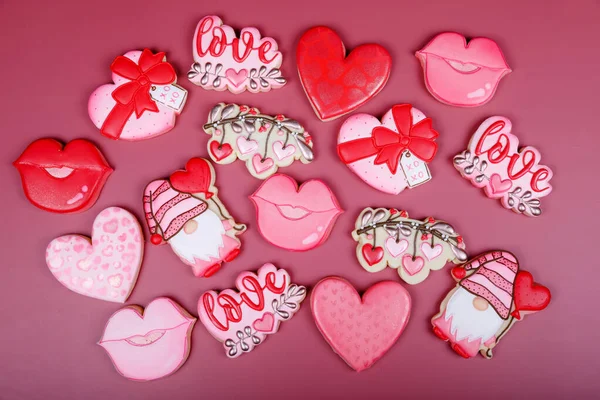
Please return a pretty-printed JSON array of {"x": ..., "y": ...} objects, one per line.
[
  {"x": 106, "y": 268},
  {"x": 460, "y": 73},
  {"x": 295, "y": 218},
  {"x": 151, "y": 344},
  {"x": 359, "y": 330}
]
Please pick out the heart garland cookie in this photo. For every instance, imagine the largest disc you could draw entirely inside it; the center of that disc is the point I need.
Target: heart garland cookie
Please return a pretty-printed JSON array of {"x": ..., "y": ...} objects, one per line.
[
  {"x": 337, "y": 84},
  {"x": 105, "y": 267},
  {"x": 387, "y": 237}
]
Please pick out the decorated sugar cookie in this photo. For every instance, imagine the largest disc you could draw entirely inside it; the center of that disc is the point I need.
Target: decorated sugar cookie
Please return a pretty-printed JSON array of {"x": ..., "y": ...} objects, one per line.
[
  {"x": 360, "y": 329},
  {"x": 293, "y": 217},
  {"x": 493, "y": 161},
  {"x": 263, "y": 142},
  {"x": 185, "y": 211},
  {"x": 390, "y": 155},
  {"x": 461, "y": 73},
  {"x": 104, "y": 267},
  {"x": 492, "y": 294},
  {"x": 145, "y": 345},
  {"x": 222, "y": 60},
  {"x": 144, "y": 100},
  {"x": 387, "y": 237},
  {"x": 62, "y": 178},
  {"x": 243, "y": 319},
  {"x": 337, "y": 83}
]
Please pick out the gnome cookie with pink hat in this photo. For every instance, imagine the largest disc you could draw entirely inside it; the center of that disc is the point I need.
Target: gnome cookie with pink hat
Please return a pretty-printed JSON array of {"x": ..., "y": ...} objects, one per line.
[
  {"x": 186, "y": 212},
  {"x": 492, "y": 294}
]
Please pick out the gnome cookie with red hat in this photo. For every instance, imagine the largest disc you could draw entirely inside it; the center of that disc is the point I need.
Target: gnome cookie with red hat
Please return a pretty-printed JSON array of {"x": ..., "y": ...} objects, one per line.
[
  {"x": 186, "y": 212},
  {"x": 492, "y": 294}
]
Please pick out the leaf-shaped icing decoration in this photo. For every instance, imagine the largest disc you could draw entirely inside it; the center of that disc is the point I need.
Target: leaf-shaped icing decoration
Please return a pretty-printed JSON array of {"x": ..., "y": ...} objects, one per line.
[
  {"x": 379, "y": 215},
  {"x": 252, "y": 72},
  {"x": 228, "y": 110},
  {"x": 253, "y": 84},
  {"x": 147, "y": 339},
  {"x": 534, "y": 202},
  {"x": 273, "y": 72},
  {"x": 366, "y": 218},
  {"x": 262, "y": 70},
  {"x": 280, "y": 80},
  {"x": 217, "y": 81},
  {"x": 204, "y": 79},
  {"x": 292, "y": 125},
  {"x": 197, "y": 67},
  {"x": 459, "y": 253},
  {"x": 264, "y": 83},
  {"x": 404, "y": 231},
  {"x": 459, "y": 160},
  {"x": 192, "y": 74},
  {"x": 215, "y": 113},
  {"x": 306, "y": 151},
  {"x": 249, "y": 126},
  {"x": 443, "y": 228},
  {"x": 236, "y": 126},
  {"x": 218, "y": 68},
  {"x": 391, "y": 230},
  {"x": 536, "y": 211}
]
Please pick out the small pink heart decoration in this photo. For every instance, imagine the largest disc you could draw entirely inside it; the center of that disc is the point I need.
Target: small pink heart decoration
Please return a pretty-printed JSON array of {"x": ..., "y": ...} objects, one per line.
[
  {"x": 246, "y": 146},
  {"x": 83, "y": 271},
  {"x": 498, "y": 185},
  {"x": 236, "y": 78},
  {"x": 395, "y": 248},
  {"x": 264, "y": 324},
  {"x": 431, "y": 252},
  {"x": 283, "y": 152},
  {"x": 261, "y": 165},
  {"x": 412, "y": 266},
  {"x": 359, "y": 330}
]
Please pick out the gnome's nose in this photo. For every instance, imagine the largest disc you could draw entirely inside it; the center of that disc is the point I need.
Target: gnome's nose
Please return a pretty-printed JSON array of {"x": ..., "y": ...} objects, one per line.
[
  {"x": 190, "y": 227},
  {"x": 480, "y": 303}
]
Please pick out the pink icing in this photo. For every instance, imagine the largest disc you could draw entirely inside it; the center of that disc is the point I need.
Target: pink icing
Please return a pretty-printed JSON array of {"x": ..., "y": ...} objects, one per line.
[
  {"x": 106, "y": 268},
  {"x": 149, "y": 345},
  {"x": 359, "y": 330}
]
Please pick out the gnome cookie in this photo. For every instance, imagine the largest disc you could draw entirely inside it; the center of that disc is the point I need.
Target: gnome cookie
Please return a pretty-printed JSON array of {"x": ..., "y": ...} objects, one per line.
[
  {"x": 492, "y": 294},
  {"x": 186, "y": 212}
]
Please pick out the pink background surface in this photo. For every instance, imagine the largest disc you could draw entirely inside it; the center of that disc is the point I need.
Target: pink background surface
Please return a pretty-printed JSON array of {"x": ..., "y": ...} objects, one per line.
[{"x": 55, "y": 55}]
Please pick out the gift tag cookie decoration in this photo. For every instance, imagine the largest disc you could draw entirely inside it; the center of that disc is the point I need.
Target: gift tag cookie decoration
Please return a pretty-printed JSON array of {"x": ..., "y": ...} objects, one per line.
[
  {"x": 104, "y": 267},
  {"x": 62, "y": 178},
  {"x": 144, "y": 100},
  {"x": 265, "y": 143},
  {"x": 224, "y": 61},
  {"x": 494, "y": 162},
  {"x": 492, "y": 294},
  {"x": 243, "y": 319},
  {"x": 459, "y": 73},
  {"x": 336, "y": 83},
  {"x": 186, "y": 212},
  {"x": 387, "y": 237},
  {"x": 145, "y": 345},
  {"x": 360, "y": 329},
  {"x": 390, "y": 155}
]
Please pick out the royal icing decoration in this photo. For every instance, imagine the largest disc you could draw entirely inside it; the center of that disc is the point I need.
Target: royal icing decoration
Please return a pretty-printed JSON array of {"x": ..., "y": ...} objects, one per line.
[
  {"x": 494, "y": 162},
  {"x": 387, "y": 237},
  {"x": 186, "y": 212},
  {"x": 295, "y": 217},
  {"x": 491, "y": 295},
  {"x": 104, "y": 267},
  {"x": 360, "y": 330},
  {"x": 337, "y": 84},
  {"x": 150, "y": 344},
  {"x": 390, "y": 155},
  {"x": 263, "y": 142},
  {"x": 62, "y": 179},
  {"x": 459, "y": 73},
  {"x": 144, "y": 100},
  {"x": 242, "y": 320},
  {"x": 222, "y": 60}
]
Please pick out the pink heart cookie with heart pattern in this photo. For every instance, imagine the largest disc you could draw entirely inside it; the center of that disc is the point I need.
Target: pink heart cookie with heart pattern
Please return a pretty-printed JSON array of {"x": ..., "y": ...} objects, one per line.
[
  {"x": 105, "y": 269},
  {"x": 359, "y": 330}
]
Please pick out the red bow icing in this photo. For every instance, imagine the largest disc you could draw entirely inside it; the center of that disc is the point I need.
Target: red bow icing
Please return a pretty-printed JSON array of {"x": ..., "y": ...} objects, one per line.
[
  {"x": 389, "y": 145},
  {"x": 134, "y": 96}
]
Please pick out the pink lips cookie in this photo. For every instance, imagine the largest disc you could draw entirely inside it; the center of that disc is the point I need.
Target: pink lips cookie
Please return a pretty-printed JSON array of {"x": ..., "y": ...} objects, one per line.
[
  {"x": 295, "y": 218},
  {"x": 359, "y": 330},
  {"x": 150, "y": 344},
  {"x": 105, "y": 267},
  {"x": 459, "y": 73}
]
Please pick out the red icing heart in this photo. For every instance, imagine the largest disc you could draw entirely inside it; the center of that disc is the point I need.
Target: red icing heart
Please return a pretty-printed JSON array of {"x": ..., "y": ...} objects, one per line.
[
  {"x": 372, "y": 254},
  {"x": 197, "y": 177},
  {"x": 528, "y": 295},
  {"x": 498, "y": 185},
  {"x": 361, "y": 331},
  {"x": 336, "y": 84},
  {"x": 220, "y": 152}
]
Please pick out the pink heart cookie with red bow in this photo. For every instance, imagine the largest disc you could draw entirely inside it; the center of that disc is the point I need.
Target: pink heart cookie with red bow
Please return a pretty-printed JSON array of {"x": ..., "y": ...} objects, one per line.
[
  {"x": 360, "y": 330},
  {"x": 105, "y": 268},
  {"x": 144, "y": 100},
  {"x": 390, "y": 155}
]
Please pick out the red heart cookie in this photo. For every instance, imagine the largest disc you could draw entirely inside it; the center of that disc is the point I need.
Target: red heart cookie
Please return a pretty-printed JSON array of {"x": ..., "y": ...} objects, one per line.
[
  {"x": 197, "y": 177},
  {"x": 336, "y": 84}
]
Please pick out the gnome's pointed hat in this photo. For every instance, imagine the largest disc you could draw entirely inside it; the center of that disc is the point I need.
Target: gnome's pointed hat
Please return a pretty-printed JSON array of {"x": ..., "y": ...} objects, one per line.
[
  {"x": 493, "y": 279},
  {"x": 168, "y": 209}
]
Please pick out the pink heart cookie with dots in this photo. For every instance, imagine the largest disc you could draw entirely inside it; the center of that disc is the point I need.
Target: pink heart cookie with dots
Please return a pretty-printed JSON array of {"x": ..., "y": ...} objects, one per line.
[
  {"x": 105, "y": 269},
  {"x": 359, "y": 330}
]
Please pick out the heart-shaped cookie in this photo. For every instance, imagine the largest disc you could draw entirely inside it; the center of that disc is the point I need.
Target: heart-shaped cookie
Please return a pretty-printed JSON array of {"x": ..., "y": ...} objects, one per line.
[
  {"x": 336, "y": 84},
  {"x": 359, "y": 330},
  {"x": 105, "y": 269}
]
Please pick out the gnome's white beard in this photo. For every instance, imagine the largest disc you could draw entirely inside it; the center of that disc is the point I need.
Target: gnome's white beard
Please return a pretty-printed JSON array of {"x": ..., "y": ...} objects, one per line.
[
  {"x": 204, "y": 242},
  {"x": 469, "y": 322}
]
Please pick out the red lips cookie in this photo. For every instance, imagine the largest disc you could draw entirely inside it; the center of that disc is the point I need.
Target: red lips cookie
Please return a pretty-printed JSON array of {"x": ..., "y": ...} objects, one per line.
[
  {"x": 336, "y": 84},
  {"x": 62, "y": 179}
]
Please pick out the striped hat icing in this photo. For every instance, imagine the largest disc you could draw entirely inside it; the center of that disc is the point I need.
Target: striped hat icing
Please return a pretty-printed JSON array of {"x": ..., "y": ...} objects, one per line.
[
  {"x": 169, "y": 209},
  {"x": 493, "y": 279}
]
